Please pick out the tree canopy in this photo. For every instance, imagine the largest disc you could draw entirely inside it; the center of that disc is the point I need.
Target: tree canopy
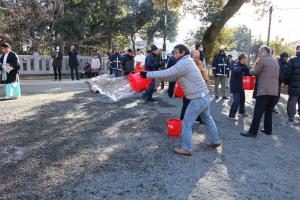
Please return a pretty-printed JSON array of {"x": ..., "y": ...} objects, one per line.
[
  {"x": 104, "y": 24},
  {"x": 214, "y": 14}
]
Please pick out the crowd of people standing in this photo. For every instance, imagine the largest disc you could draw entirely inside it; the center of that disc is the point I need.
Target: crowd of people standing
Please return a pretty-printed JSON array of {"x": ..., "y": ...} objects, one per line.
[{"x": 270, "y": 74}]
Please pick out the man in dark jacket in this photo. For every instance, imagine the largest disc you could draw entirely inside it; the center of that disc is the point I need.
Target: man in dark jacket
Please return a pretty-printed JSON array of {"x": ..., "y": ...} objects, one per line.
[
  {"x": 238, "y": 69},
  {"x": 116, "y": 63},
  {"x": 171, "y": 62},
  {"x": 57, "y": 63},
  {"x": 128, "y": 62},
  {"x": 153, "y": 63},
  {"x": 221, "y": 69},
  {"x": 283, "y": 63},
  {"x": 73, "y": 62},
  {"x": 292, "y": 79}
]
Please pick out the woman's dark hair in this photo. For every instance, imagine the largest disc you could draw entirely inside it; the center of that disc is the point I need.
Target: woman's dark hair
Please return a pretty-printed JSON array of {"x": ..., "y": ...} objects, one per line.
[
  {"x": 182, "y": 48},
  {"x": 242, "y": 56}
]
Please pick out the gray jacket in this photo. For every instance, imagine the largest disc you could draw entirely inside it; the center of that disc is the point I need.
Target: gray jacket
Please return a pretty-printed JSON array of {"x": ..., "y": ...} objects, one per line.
[
  {"x": 267, "y": 73},
  {"x": 189, "y": 76}
]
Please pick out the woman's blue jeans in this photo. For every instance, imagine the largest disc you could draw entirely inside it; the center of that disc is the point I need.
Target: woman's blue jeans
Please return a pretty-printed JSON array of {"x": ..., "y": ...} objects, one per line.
[{"x": 198, "y": 107}]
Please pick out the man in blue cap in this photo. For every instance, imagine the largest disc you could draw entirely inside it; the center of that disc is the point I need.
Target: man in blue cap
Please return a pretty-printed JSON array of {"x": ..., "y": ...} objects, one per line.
[
  {"x": 283, "y": 63},
  {"x": 153, "y": 63}
]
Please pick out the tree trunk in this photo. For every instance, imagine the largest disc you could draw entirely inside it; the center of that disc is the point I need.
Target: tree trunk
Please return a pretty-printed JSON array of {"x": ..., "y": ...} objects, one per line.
[
  {"x": 132, "y": 37},
  {"x": 219, "y": 22}
]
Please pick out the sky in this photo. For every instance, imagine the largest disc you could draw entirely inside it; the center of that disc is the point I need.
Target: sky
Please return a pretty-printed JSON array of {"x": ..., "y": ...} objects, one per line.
[{"x": 285, "y": 22}]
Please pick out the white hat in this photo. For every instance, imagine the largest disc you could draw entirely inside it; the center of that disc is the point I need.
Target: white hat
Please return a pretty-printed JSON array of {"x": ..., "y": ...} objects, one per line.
[
  {"x": 57, "y": 48},
  {"x": 223, "y": 47}
]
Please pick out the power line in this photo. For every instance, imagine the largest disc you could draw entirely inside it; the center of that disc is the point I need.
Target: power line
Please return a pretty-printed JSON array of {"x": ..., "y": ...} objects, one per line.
[{"x": 277, "y": 8}]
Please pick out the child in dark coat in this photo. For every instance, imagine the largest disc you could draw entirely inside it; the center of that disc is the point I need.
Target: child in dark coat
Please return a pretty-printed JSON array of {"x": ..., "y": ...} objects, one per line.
[{"x": 238, "y": 70}]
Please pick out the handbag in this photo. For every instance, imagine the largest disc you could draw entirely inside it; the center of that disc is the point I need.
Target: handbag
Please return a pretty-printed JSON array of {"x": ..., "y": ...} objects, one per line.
[{"x": 13, "y": 89}]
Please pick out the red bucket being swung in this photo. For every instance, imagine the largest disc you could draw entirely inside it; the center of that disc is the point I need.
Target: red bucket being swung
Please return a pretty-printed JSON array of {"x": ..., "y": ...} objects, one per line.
[
  {"x": 178, "y": 91},
  {"x": 137, "y": 82}
]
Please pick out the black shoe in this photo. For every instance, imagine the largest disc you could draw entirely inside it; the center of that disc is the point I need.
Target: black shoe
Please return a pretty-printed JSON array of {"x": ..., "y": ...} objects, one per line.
[
  {"x": 248, "y": 135},
  {"x": 263, "y": 131},
  {"x": 216, "y": 97},
  {"x": 225, "y": 98},
  {"x": 151, "y": 100}
]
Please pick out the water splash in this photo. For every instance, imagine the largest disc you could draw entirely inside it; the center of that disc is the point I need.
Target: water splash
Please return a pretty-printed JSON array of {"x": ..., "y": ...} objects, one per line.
[{"x": 113, "y": 88}]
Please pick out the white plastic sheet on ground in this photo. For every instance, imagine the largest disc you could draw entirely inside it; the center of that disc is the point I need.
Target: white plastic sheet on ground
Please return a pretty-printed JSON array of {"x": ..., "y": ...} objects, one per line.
[{"x": 113, "y": 88}]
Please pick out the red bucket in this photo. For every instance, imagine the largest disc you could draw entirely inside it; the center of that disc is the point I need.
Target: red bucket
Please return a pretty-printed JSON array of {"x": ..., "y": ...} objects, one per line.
[
  {"x": 174, "y": 127},
  {"x": 178, "y": 91},
  {"x": 147, "y": 82},
  {"x": 248, "y": 82},
  {"x": 137, "y": 82},
  {"x": 138, "y": 67}
]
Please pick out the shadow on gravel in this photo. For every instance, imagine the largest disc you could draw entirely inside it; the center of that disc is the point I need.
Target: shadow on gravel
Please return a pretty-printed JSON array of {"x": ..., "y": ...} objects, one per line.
[{"x": 85, "y": 149}]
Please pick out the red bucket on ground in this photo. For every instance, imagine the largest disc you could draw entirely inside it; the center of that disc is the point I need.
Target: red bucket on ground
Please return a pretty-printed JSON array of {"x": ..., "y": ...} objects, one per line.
[
  {"x": 178, "y": 91},
  {"x": 138, "y": 67},
  {"x": 248, "y": 82},
  {"x": 137, "y": 82},
  {"x": 174, "y": 127}
]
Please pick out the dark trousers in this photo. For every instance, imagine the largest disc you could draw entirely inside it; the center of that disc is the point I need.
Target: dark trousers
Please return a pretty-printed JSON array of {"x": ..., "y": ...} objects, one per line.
[
  {"x": 299, "y": 106},
  {"x": 242, "y": 103},
  {"x": 291, "y": 107},
  {"x": 185, "y": 104},
  {"x": 264, "y": 105},
  {"x": 150, "y": 90},
  {"x": 162, "y": 85},
  {"x": 279, "y": 92},
  {"x": 171, "y": 89},
  {"x": 239, "y": 99},
  {"x": 57, "y": 69},
  {"x": 126, "y": 73},
  {"x": 235, "y": 104},
  {"x": 72, "y": 68}
]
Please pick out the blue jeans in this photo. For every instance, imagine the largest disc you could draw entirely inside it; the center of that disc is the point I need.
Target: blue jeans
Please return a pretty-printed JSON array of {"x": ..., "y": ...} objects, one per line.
[
  {"x": 149, "y": 91},
  {"x": 235, "y": 104},
  {"x": 198, "y": 107}
]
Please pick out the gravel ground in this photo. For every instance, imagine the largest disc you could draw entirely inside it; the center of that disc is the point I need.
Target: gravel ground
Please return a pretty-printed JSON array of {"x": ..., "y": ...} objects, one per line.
[{"x": 61, "y": 142}]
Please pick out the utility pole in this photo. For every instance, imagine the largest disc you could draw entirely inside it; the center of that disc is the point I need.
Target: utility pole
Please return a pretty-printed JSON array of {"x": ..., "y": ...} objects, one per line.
[
  {"x": 166, "y": 26},
  {"x": 250, "y": 45},
  {"x": 270, "y": 24}
]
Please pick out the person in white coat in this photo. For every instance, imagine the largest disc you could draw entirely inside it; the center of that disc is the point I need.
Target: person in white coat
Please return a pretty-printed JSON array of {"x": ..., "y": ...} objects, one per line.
[{"x": 140, "y": 57}]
